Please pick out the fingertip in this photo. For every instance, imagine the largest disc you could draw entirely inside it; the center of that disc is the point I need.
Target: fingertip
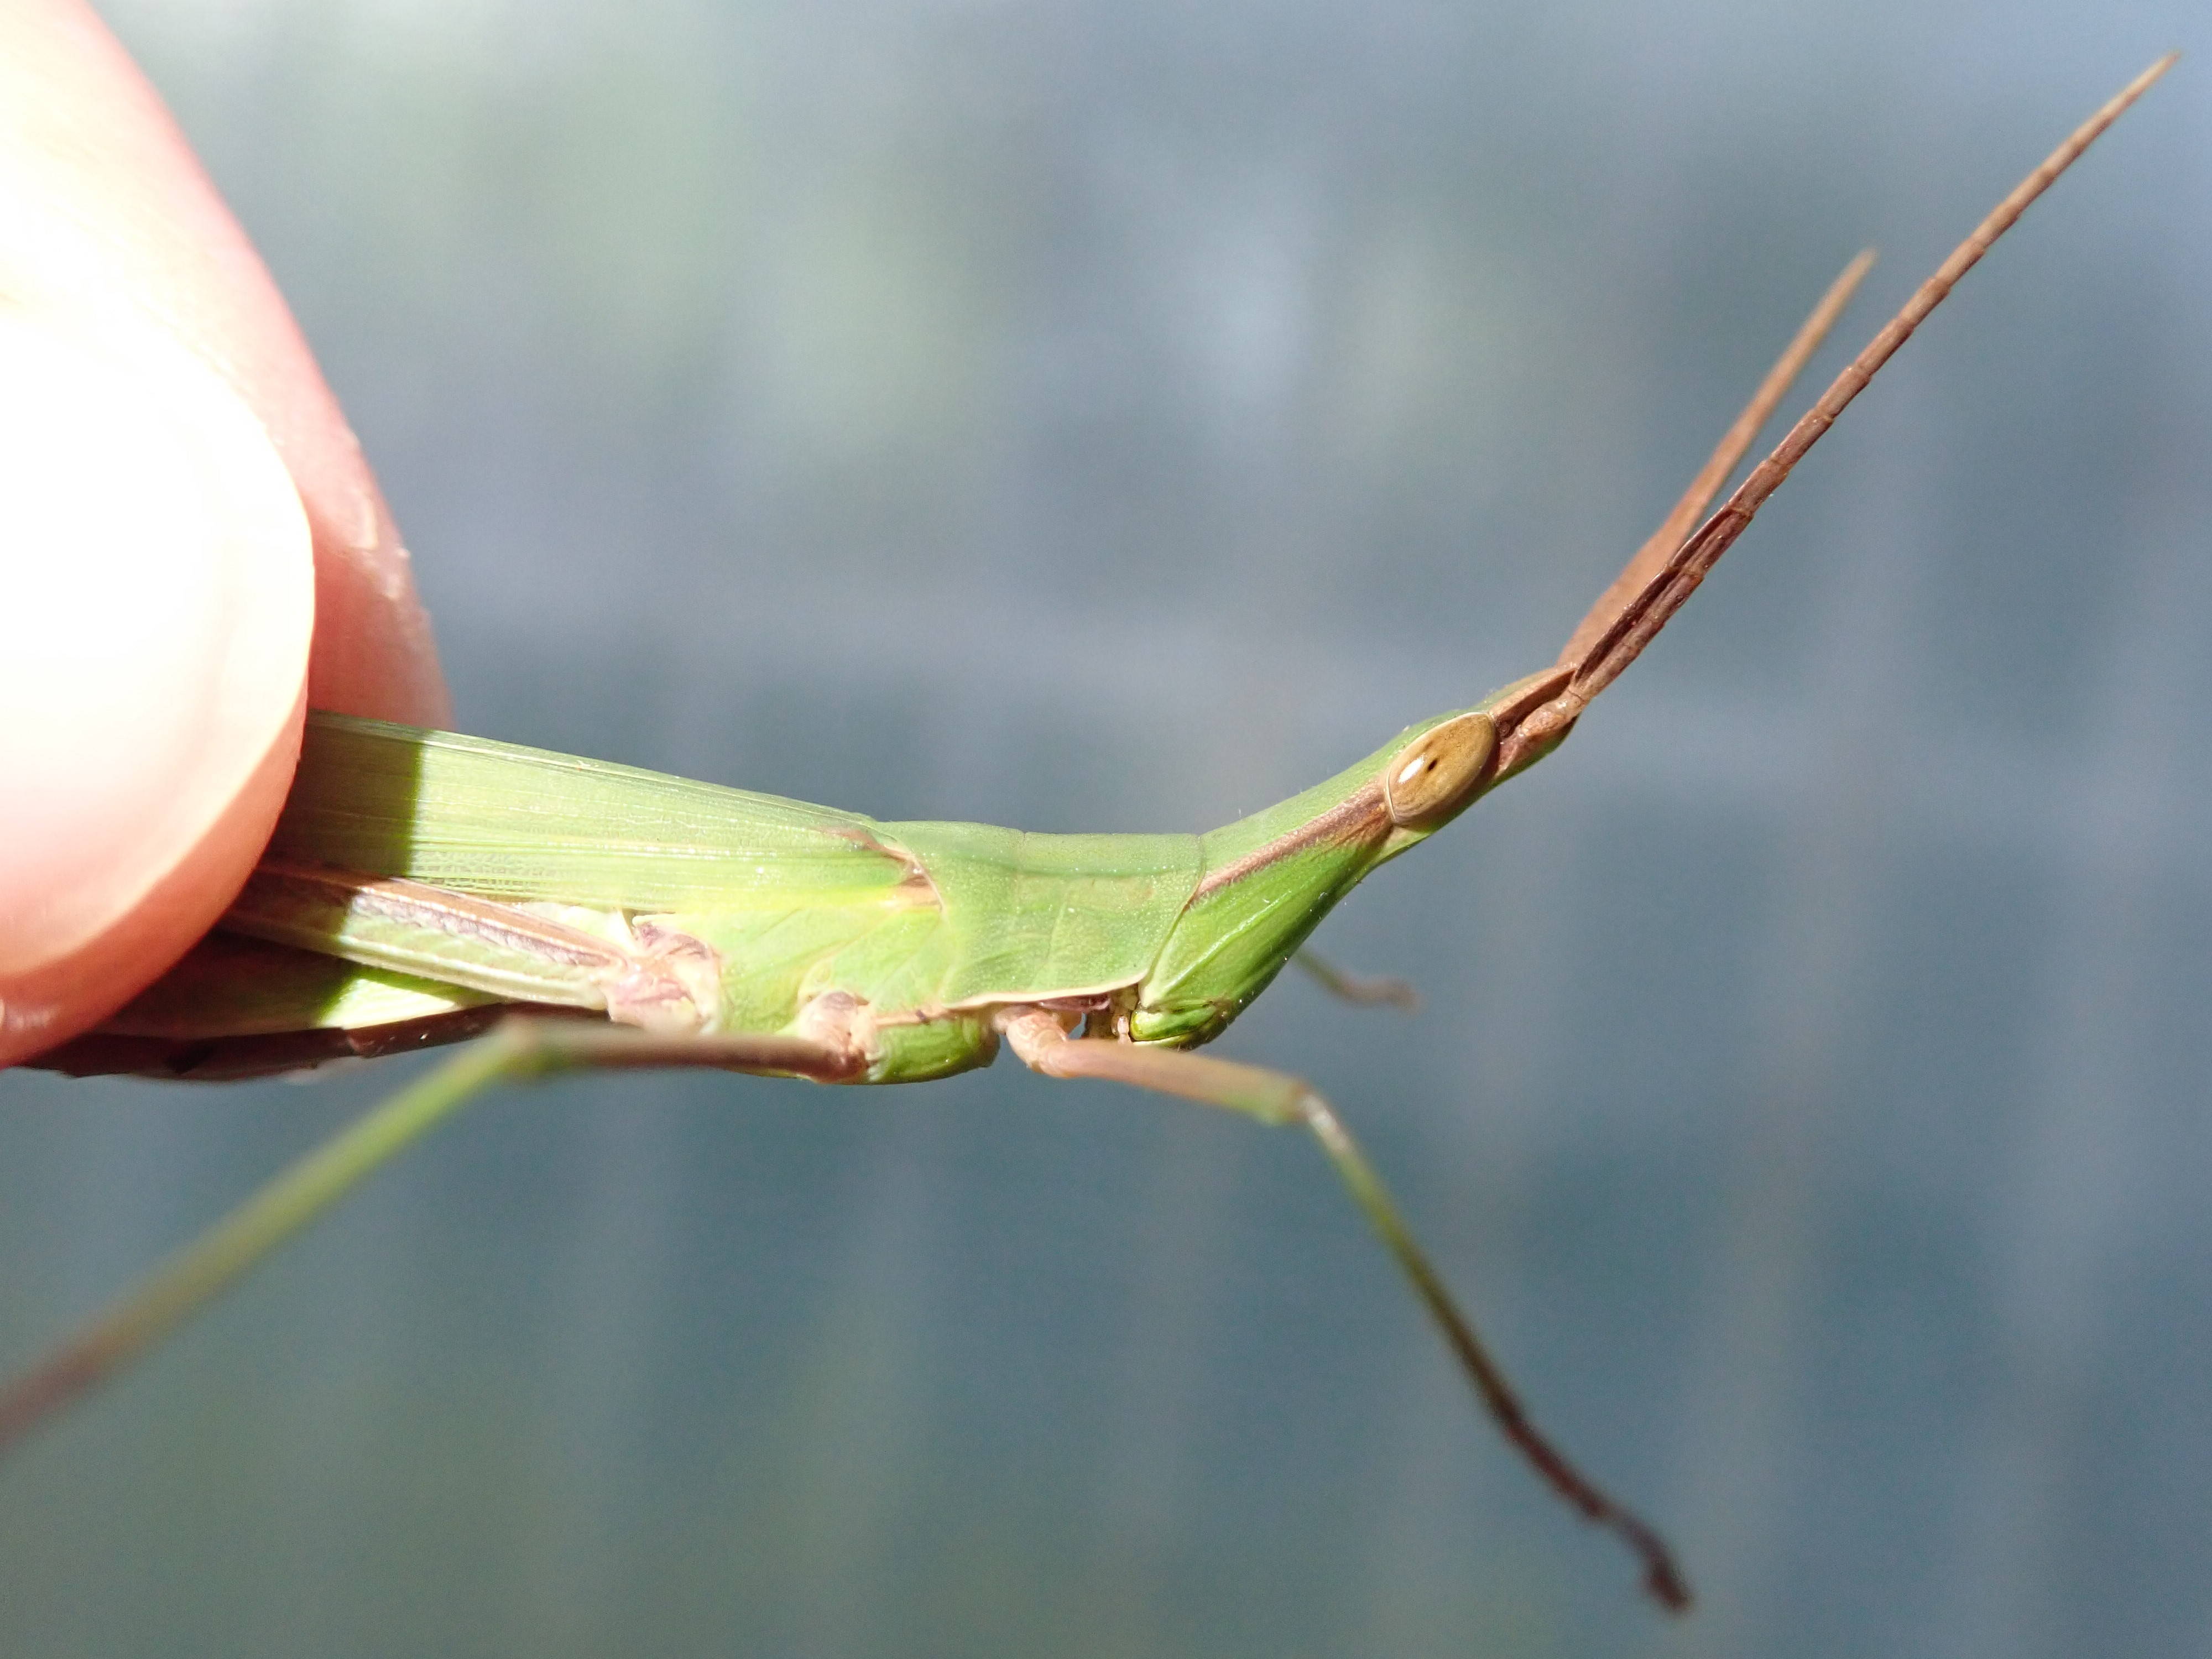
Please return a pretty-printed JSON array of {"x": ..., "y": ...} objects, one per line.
[
  {"x": 110, "y": 220},
  {"x": 159, "y": 609}
]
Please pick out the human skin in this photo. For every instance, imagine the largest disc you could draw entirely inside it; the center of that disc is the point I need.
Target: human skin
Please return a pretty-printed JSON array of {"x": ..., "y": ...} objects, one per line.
[{"x": 193, "y": 550}]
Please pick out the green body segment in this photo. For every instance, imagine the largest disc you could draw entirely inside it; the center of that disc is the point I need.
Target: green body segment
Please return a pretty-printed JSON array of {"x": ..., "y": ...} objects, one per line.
[
  {"x": 1031, "y": 917},
  {"x": 505, "y": 822},
  {"x": 932, "y": 926},
  {"x": 1270, "y": 880},
  {"x": 232, "y": 986},
  {"x": 924, "y": 922}
]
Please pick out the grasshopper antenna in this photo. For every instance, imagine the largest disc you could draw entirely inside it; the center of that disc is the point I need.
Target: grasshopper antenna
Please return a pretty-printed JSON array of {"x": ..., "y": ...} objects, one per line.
[
  {"x": 1735, "y": 442},
  {"x": 1618, "y": 628}
]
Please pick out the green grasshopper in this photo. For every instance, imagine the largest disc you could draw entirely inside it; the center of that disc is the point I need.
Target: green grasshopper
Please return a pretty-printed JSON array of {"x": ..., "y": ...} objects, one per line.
[{"x": 424, "y": 887}]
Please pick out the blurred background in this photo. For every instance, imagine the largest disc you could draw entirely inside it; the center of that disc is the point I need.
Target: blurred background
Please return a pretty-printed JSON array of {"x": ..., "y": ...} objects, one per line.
[{"x": 1119, "y": 416}]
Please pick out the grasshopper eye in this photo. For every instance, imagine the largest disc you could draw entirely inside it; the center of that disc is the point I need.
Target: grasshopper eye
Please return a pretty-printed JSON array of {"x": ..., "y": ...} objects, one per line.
[{"x": 1432, "y": 774}]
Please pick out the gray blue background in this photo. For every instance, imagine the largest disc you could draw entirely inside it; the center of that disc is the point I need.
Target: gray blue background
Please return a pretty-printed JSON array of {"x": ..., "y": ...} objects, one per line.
[{"x": 1118, "y": 415}]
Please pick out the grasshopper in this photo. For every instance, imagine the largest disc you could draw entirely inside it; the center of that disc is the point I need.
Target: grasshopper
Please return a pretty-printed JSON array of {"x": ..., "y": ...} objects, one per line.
[{"x": 423, "y": 888}]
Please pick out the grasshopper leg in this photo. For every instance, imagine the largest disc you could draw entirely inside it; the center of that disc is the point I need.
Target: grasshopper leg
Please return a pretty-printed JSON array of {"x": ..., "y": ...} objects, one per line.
[
  {"x": 1277, "y": 1098},
  {"x": 518, "y": 1050},
  {"x": 1362, "y": 990}
]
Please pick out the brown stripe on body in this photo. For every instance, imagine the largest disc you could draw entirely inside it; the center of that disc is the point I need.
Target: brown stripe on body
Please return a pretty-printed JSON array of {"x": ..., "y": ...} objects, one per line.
[
  {"x": 276, "y": 889},
  {"x": 665, "y": 981},
  {"x": 1363, "y": 816}
]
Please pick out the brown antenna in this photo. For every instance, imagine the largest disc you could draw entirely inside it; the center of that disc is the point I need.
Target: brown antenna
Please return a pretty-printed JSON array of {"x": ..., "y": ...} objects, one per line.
[{"x": 1619, "y": 627}]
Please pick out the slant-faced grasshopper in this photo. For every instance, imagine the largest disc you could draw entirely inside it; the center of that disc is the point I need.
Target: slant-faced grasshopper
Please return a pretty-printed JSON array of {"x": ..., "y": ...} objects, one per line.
[{"x": 424, "y": 887}]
